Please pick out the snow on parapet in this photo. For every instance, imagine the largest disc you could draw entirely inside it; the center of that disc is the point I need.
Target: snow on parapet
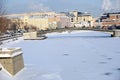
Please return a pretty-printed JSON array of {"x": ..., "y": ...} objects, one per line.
[{"x": 10, "y": 52}]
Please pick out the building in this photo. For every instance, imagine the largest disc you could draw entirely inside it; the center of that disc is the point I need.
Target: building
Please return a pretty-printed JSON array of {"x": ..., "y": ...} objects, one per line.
[
  {"x": 65, "y": 22},
  {"x": 62, "y": 21},
  {"x": 11, "y": 59},
  {"x": 52, "y": 20},
  {"x": 97, "y": 23},
  {"x": 110, "y": 19},
  {"x": 79, "y": 19},
  {"x": 40, "y": 20}
]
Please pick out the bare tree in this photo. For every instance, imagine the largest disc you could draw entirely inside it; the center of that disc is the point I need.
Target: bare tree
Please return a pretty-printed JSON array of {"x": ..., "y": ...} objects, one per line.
[
  {"x": 2, "y": 7},
  {"x": 4, "y": 22}
]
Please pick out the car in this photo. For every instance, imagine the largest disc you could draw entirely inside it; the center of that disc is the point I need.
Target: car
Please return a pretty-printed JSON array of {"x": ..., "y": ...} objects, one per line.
[{"x": 117, "y": 27}]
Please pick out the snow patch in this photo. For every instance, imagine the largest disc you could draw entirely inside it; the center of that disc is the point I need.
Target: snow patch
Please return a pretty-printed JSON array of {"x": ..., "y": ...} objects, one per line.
[
  {"x": 9, "y": 55},
  {"x": 86, "y": 61},
  {"x": 52, "y": 76}
]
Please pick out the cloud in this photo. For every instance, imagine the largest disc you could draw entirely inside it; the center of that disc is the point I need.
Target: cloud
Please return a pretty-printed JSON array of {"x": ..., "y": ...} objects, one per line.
[
  {"x": 106, "y": 5},
  {"x": 117, "y": 7},
  {"x": 24, "y": 6},
  {"x": 38, "y": 6}
]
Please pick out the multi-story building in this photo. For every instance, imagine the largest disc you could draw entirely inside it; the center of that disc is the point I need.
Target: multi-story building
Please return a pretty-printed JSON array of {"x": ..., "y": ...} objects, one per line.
[
  {"x": 97, "y": 23},
  {"x": 54, "y": 22},
  {"x": 79, "y": 19},
  {"x": 42, "y": 21},
  {"x": 110, "y": 19},
  {"x": 65, "y": 22},
  {"x": 39, "y": 23}
]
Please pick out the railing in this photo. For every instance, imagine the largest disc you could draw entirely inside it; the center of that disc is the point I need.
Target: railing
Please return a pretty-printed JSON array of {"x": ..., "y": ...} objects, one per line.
[
  {"x": 7, "y": 37},
  {"x": 71, "y": 29}
]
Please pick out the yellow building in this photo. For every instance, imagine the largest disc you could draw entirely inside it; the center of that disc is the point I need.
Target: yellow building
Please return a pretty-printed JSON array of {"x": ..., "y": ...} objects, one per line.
[
  {"x": 81, "y": 19},
  {"x": 39, "y": 20},
  {"x": 39, "y": 23},
  {"x": 54, "y": 22}
]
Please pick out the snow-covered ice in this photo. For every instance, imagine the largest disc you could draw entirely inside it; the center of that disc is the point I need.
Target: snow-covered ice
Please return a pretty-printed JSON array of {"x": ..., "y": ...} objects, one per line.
[{"x": 79, "y": 55}]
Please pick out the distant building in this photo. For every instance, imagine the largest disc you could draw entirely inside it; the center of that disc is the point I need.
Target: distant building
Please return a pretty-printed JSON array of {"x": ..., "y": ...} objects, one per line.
[
  {"x": 11, "y": 59},
  {"x": 79, "y": 19},
  {"x": 97, "y": 23},
  {"x": 110, "y": 19},
  {"x": 53, "y": 22},
  {"x": 65, "y": 22},
  {"x": 41, "y": 21}
]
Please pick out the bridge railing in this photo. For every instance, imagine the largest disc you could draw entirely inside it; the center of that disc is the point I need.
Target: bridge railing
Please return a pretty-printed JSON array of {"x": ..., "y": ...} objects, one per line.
[
  {"x": 7, "y": 37},
  {"x": 72, "y": 28}
]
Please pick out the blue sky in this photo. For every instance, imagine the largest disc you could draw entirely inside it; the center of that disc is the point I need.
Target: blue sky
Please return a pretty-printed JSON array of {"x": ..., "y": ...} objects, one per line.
[{"x": 22, "y": 6}]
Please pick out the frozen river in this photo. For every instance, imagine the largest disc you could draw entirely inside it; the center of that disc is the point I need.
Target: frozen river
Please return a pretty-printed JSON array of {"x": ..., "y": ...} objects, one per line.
[{"x": 80, "y": 55}]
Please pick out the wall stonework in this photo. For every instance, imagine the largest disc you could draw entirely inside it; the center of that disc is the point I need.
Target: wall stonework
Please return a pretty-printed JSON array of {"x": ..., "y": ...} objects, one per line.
[
  {"x": 12, "y": 64},
  {"x": 18, "y": 63}
]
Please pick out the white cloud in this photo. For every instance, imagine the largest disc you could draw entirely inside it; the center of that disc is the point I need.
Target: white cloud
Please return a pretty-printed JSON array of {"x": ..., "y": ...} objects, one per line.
[
  {"x": 37, "y": 6},
  {"x": 117, "y": 7},
  {"x": 106, "y": 5},
  {"x": 111, "y": 5}
]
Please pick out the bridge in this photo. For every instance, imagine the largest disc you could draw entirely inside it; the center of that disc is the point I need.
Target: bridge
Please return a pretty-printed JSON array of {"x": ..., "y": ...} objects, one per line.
[{"x": 113, "y": 32}]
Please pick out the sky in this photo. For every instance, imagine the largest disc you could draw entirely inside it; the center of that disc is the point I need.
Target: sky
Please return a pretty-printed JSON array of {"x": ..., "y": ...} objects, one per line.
[{"x": 23, "y": 6}]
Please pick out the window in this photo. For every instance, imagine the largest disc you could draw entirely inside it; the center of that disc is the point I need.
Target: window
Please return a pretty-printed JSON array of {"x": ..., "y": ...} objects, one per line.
[
  {"x": 117, "y": 16},
  {"x": 71, "y": 19}
]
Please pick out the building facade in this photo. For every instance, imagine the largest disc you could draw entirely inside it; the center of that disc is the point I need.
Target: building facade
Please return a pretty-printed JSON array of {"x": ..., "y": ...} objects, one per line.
[
  {"x": 65, "y": 22},
  {"x": 52, "y": 20},
  {"x": 110, "y": 19},
  {"x": 79, "y": 19},
  {"x": 41, "y": 21}
]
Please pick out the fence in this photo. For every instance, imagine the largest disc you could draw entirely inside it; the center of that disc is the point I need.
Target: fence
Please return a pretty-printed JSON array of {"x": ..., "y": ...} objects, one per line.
[{"x": 7, "y": 37}]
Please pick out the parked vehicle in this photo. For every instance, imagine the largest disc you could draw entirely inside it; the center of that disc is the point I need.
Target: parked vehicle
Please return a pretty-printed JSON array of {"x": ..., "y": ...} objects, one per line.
[
  {"x": 111, "y": 27},
  {"x": 117, "y": 27}
]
